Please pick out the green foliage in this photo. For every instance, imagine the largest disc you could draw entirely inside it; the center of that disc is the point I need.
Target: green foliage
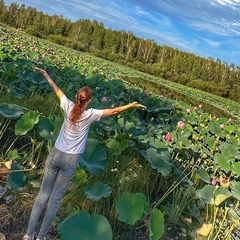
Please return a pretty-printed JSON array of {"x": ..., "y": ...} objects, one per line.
[
  {"x": 12, "y": 111},
  {"x": 94, "y": 157},
  {"x": 130, "y": 152},
  {"x": 96, "y": 192},
  {"x": 16, "y": 177},
  {"x": 131, "y": 207},
  {"x": 85, "y": 226},
  {"x": 26, "y": 123},
  {"x": 156, "y": 224}
]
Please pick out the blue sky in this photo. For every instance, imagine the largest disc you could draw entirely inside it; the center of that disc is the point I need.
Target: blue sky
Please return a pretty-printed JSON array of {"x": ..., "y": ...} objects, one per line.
[{"x": 207, "y": 28}]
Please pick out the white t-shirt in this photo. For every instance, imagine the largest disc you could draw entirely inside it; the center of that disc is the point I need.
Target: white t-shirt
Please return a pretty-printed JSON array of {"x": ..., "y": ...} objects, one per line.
[{"x": 72, "y": 138}]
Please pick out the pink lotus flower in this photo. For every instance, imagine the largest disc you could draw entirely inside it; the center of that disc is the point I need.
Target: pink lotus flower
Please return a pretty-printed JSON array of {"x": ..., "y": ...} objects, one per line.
[
  {"x": 168, "y": 137},
  {"x": 200, "y": 105},
  {"x": 230, "y": 119},
  {"x": 195, "y": 107},
  {"x": 147, "y": 92},
  {"x": 222, "y": 125},
  {"x": 188, "y": 109},
  {"x": 161, "y": 96},
  {"x": 104, "y": 99},
  {"x": 181, "y": 124},
  {"x": 214, "y": 182}
]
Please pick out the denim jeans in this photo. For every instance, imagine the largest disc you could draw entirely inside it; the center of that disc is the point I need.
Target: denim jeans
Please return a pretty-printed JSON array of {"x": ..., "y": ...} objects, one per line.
[{"x": 59, "y": 170}]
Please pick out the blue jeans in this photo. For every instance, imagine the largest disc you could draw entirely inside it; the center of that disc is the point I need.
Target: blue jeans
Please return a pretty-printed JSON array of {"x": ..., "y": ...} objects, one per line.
[{"x": 59, "y": 170}]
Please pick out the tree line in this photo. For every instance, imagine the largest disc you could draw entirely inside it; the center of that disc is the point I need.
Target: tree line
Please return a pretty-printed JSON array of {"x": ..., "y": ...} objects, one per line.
[{"x": 207, "y": 74}]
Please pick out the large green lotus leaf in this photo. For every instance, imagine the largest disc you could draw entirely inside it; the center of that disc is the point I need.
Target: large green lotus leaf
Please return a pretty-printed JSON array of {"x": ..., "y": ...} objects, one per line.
[
  {"x": 187, "y": 131},
  {"x": 12, "y": 111},
  {"x": 234, "y": 213},
  {"x": 182, "y": 140},
  {"x": 26, "y": 123},
  {"x": 213, "y": 195},
  {"x": 94, "y": 157},
  {"x": 131, "y": 124},
  {"x": 224, "y": 161},
  {"x": 230, "y": 128},
  {"x": 117, "y": 145},
  {"x": 98, "y": 191},
  {"x": 109, "y": 123},
  {"x": 84, "y": 226},
  {"x": 16, "y": 179},
  {"x": 236, "y": 168},
  {"x": 33, "y": 55},
  {"x": 13, "y": 154},
  {"x": 229, "y": 150},
  {"x": 46, "y": 129},
  {"x": 152, "y": 104},
  {"x": 158, "y": 144},
  {"x": 223, "y": 120},
  {"x": 191, "y": 119},
  {"x": 16, "y": 92},
  {"x": 209, "y": 140},
  {"x": 203, "y": 174},
  {"x": 215, "y": 128},
  {"x": 9, "y": 70},
  {"x": 156, "y": 224},
  {"x": 131, "y": 207},
  {"x": 235, "y": 189},
  {"x": 79, "y": 177},
  {"x": 235, "y": 141},
  {"x": 159, "y": 161},
  {"x": 57, "y": 122}
]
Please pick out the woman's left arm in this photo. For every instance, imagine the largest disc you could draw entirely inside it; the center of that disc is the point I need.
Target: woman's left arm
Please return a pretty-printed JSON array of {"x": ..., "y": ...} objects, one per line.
[{"x": 52, "y": 84}]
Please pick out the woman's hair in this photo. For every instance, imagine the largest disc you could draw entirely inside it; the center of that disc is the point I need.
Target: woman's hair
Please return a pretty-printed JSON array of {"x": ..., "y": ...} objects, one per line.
[{"x": 83, "y": 95}]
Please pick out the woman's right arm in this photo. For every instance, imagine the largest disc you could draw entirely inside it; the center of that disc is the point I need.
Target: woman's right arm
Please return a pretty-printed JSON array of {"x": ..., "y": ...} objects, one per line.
[
  {"x": 116, "y": 110},
  {"x": 52, "y": 84}
]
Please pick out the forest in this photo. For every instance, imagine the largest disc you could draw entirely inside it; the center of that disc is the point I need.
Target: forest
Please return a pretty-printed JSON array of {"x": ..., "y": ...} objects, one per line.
[{"x": 207, "y": 74}]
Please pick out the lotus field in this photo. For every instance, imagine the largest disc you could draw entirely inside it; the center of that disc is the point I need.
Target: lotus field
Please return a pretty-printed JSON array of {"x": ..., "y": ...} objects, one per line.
[{"x": 169, "y": 172}]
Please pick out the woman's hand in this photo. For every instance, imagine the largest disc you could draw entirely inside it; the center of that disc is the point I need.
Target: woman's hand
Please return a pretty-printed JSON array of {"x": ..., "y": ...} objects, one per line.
[
  {"x": 52, "y": 84},
  {"x": 40, "y": 70},
  {"x": 138, "y": 105}
]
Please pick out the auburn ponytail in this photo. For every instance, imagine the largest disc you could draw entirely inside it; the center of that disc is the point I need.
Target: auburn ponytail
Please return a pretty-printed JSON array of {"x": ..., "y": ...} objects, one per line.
[{"x": 83, "y": 96}]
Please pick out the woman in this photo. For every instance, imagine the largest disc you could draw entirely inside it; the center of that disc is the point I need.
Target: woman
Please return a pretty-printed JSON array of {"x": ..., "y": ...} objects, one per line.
[{"x": 63, "y": 158}]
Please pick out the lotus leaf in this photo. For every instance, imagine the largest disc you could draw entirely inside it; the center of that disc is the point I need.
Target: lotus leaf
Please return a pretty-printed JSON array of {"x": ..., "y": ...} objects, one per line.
[
  {"x": 224, "y": 161},
  {"x": 16, "y": 178},
  {"x": 98, "y": 191},
  {"x": 209, "y": 140},
  {"x": 203, "y": 174},
  {"x": 94, "y": 157},
  {"x": 156, "y": 224},
  {"x": 236, "y": 168},
  {"x": 229, "y": 150},
  {"x": 16, "y": 92},
  {"x": 158, "y": 144},
  {"x": 213, "y": 195},
  {"x": 235, "y": 189},
  {"x": 13, "y": 154},
  {"x": 79, "y": 177},
  {"x": 215, "y": 128},
  {"x": 26, "y": 123},
  {"x": 159, "y": 161},
  {"x": 84, "y": 226},
  {"x": 191, "y": 119},
  {"x": 131, "y": 207},
  {"x": 152, "y": 104},
  {"x": 117, "y": 145},
  {"x": 9, "y": 69},
  {"x": 46, "y": 129},
  {"x": 12, "y": 111}
]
